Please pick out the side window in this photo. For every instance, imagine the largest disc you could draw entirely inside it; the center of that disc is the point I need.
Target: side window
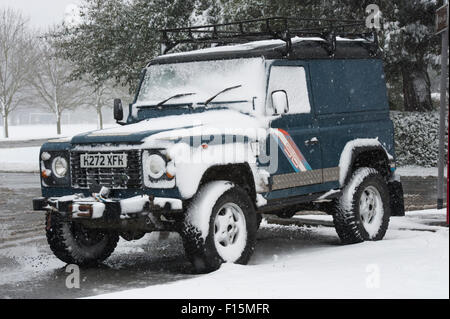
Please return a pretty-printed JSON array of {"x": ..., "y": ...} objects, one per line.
[{"x": 292, "y": 80}]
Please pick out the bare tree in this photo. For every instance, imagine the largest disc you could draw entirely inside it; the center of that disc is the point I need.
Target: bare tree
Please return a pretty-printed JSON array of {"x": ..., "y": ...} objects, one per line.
[
  {"x": 16, "y": 61},
  {"x": 102, "y": 95},
  {"x": 52, "y": 82}
]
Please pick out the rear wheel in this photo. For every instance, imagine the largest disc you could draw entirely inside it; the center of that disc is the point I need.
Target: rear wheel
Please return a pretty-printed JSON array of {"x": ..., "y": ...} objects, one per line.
[
  {"x": 363, "y": 211},
  {"x": 74, "y": 243},
  {"x": 229, "y": 227}
]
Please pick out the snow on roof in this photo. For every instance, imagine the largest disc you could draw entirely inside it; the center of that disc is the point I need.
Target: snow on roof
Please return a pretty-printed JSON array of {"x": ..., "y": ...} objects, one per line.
[
  {"x": 243, "y": 47},
  {"x": 255, "y": 45}
]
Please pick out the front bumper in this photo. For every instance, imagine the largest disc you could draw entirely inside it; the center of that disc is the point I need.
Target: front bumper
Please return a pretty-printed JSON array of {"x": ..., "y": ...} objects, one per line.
[{"x": 99, "y": 208}]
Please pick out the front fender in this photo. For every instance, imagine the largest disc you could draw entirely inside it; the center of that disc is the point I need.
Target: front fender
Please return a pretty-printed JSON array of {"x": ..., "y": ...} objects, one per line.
[{"x": 191, "y": 164}]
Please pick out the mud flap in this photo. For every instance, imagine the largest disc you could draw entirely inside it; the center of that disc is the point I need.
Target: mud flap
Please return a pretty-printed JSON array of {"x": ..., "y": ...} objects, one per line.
[{"x": 396, "y": 198}]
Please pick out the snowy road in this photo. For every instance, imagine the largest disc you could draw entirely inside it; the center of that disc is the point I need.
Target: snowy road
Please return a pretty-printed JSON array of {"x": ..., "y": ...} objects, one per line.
[{"x": 29, "y": 270}]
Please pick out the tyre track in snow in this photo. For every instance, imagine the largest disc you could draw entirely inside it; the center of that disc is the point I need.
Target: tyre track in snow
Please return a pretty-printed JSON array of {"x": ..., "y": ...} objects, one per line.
[
  {"x": 30, "y": 270},
  {"x": 18, "y": 223}
]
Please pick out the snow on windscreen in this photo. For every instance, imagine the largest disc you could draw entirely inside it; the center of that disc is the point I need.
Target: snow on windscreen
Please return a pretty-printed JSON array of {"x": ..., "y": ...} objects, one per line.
[{"x": 205, "y": 79}]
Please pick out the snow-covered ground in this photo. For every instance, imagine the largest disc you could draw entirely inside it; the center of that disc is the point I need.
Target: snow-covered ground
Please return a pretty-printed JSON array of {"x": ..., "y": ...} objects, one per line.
[
  {"x": 26, "y": 159},
  {"x": 31, "y": 132},
  {"x": 21, "y": 159},
  {"x": 411, "y": 262},
  {"x": 419, "y": 171}
]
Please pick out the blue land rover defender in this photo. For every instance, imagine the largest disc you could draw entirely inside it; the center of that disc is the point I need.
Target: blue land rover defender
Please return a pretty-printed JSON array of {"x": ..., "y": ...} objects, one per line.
[{"x": 281, "y": 115}]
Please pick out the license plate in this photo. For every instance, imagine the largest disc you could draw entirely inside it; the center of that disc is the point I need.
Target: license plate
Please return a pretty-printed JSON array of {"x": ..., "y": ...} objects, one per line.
[{"x": 103, "y": 160}]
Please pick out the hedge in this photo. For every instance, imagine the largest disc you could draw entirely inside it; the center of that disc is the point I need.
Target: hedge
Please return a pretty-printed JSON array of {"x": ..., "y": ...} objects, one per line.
[{"x": 417, "y": 138}]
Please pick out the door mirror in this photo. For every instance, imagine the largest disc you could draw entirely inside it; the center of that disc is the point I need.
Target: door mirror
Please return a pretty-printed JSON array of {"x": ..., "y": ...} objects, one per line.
[
  {"x": 118, "y": 110},
  {"x": 280, "y": 102}
]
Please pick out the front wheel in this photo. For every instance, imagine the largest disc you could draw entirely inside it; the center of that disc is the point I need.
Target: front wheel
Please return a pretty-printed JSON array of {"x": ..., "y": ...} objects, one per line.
[
  {"x": 363, "y": 211},
  {"x": 73, "y": 243},
  {"x": 220, "y": 226}
]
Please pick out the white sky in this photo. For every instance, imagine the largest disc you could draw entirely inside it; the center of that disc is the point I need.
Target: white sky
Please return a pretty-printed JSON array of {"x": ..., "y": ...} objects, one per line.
[{"x": 42, "y": 13}]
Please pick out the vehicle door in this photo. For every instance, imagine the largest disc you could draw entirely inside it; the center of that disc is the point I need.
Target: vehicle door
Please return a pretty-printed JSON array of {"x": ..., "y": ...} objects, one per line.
[{"x": 295, "y": 131}]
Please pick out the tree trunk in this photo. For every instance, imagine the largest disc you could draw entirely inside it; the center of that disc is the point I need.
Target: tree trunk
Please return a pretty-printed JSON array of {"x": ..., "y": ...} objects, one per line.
[
  {"x": 58, "y": 112},
  {"x": 416, "y": 88},
  {"x": 58, "y": 124},
  {"x": 5, "y": 125},
  {"x": 99, "y": 119}
]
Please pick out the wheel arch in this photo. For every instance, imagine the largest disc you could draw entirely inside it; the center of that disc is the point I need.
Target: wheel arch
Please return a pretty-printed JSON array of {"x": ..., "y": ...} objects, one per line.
[
  {"x": 240, "y": 174},
  {"x": 373, "y": 156}
]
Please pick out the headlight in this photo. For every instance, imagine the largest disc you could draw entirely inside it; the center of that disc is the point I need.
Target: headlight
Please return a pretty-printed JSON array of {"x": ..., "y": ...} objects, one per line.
[
  {"x": 60, "y": 167},
  {"x": 155, "y": 166}
]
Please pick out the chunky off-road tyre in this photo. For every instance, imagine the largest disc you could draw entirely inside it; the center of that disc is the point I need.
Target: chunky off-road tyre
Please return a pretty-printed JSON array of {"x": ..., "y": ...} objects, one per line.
[
  {"x": 220, "y": 226},
  {"x": 363, "y": 210},
  {"x": 74, "y": 244}
]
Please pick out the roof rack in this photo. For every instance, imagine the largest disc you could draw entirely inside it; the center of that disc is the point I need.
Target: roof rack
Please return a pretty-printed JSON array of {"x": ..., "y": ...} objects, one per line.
[{"x": 282, "y": 28}]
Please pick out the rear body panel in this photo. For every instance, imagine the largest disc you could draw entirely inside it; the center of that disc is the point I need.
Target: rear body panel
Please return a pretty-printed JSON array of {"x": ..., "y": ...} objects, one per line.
[{"x": 348, "y": 102}]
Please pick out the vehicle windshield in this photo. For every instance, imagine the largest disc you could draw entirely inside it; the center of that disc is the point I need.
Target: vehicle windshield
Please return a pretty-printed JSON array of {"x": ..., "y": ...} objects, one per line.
[{"x": 196, "y": 82}]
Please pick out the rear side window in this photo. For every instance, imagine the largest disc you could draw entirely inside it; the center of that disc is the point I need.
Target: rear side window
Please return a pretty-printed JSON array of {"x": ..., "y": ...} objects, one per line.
[
  {"x": 342, "y": 86},
  {"x": 291, "y": 79}
]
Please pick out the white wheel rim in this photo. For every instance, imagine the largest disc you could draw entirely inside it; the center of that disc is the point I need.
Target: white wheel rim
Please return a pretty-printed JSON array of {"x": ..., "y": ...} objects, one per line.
[
  {"x": 230, "y": 232},
  {"x": 371, "y": 210}
]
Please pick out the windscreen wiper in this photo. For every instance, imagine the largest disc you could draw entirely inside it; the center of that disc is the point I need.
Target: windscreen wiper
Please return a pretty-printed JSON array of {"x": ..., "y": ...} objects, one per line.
[
  {"x": 168, "y": 99},
  {"x": 223, "y": 91},
  {"x": 174, "y": 97}
]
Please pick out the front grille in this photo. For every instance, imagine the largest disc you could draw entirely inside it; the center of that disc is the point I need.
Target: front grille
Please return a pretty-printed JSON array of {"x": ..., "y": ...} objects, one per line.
[{"x": 114, "y": 178}]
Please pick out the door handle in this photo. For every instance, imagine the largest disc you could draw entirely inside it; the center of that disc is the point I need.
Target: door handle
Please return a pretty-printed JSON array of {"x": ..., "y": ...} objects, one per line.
[{"x": 312, "y": 141}]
